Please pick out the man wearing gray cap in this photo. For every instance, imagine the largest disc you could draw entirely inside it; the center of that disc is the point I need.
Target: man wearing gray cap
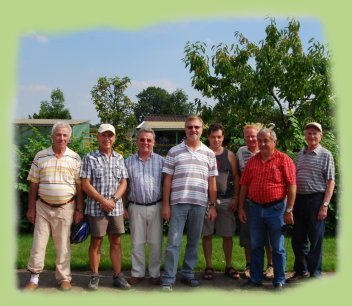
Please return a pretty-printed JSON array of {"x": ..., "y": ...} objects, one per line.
[
  {"x": 104, "y": 180},
  {"x": 315, "y": 185}
]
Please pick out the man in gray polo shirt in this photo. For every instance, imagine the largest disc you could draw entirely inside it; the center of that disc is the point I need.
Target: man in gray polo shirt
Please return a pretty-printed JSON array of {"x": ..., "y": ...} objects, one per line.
[{"x": 315, "y": 186}]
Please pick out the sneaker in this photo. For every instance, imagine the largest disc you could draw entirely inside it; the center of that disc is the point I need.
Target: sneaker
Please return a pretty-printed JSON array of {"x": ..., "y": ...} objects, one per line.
[
  {"x": 65, "y": 286},
  {"x": 135, "y": 280},
  {"x": 269, "y": 272},
  {"x": 192, "y": 282},
  {"x": 93, "y": 282},
  {"x": 120, "y": 281},
  {"x": 295, "y": 276},
  {"x": 247, "y": 272},
  {"x": 156, "y": 281},
  {"x": 166, "y": 287},
  {"x": 30, "y": 287},
  {"x": 279, "y": 287}
]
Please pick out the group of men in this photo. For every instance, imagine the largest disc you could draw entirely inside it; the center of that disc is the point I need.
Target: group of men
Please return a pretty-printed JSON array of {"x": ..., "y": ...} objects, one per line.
[{"x": 197, "y": 189}]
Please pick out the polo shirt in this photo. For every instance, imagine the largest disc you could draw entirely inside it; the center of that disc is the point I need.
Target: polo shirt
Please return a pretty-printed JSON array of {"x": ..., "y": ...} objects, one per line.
[
  {"x": 268, "y": 181},
  {"x": 191, "y": 171},
  {"x": 314, "y": 169},
  {"x": 57, "y": 177}
]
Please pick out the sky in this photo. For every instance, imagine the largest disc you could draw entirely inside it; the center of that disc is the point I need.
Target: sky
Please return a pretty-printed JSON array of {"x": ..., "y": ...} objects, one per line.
[{"x": 149, "y": 56}]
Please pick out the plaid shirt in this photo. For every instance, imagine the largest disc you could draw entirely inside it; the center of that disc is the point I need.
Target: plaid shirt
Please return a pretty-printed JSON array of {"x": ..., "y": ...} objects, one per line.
[
  {"x": 268, "y": 181},
  {"x": 105, "y": 175}
]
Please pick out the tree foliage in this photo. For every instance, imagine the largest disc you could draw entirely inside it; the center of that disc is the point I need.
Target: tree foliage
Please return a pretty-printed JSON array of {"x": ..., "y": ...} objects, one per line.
[
  {"x": 272, "y": 81},
  {"x": 55, "y": 109},
  {"x": 156, "y": 100},
  {"x": 113, "y": 105}
]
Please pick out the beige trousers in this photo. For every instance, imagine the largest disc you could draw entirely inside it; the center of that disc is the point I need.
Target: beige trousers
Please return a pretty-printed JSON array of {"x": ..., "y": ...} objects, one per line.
[{"x": 57, "y": 222}]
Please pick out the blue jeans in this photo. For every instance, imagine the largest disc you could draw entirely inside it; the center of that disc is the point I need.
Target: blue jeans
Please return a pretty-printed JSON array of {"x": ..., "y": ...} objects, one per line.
[
  {"x": 308, "y": 234},
  {"x": 182, "y": 214},
  {"x": 265, "y": 220}
]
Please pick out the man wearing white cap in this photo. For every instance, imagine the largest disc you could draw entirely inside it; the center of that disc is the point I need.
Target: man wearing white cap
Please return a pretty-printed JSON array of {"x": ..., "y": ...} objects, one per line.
[
  {"x": 315, "y": 185},
  {"x": 104, "y": 180}
]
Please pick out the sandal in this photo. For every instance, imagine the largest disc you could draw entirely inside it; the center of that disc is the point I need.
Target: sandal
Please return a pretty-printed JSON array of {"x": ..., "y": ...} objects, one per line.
[
  {"x": 232, "y": 273},
  {"x": 208, "y": 273}
]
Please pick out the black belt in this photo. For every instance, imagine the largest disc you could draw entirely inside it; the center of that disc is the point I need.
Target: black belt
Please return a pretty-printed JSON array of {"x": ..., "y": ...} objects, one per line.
[
  {"x": 56, "y": 205},
  {"x": 265, "y": 205},
  {"x": 145, "y": 204}
]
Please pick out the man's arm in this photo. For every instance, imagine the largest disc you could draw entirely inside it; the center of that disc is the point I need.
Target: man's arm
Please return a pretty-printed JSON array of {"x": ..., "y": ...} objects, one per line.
[
  {"x": 291, "y": 196},
  {"x": 79, "y": 211},
  {"x": 243, "y": 195},
  {"x": 323, "y": 211},
  {"x": 166, "y": 196},
  {"x": 32, "y": 197},
  {"x": 106, "y": 204},
  {"x": 212, "y": 197},
  {"x": 236, "y": 181}
]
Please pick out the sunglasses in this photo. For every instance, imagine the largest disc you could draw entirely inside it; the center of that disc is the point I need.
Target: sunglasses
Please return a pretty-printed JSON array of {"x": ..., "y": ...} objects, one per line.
[{"x": 191, "y": 127}]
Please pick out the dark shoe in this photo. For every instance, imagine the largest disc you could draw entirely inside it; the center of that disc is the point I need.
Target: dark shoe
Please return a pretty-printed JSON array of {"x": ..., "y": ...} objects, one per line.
[
  {"x": 65, "y": 286},
  {"x": 296, "y": 276},
  {"x": 135, "y": 280},
  {"x": 30, "y": 287},
  {"x": 156, "y": 281},
  {"x": 94, "y": 282},
  {"x": 232, "y": 273},
  {"x": 192, "y": 282},
  {"x": 120, "y": 281},
  {"x": 208, "y": 273},
  {"x": 251, "y": 285}
]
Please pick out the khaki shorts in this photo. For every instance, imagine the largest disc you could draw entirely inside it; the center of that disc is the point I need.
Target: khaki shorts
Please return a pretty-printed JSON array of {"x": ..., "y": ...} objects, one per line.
[
  {"x": 225, "y": 222},
  {"x": 101, "y": 225}
]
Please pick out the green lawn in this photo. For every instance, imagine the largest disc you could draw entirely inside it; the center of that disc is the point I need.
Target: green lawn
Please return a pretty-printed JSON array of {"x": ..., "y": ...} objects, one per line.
[{"x": 80, "y": 254}]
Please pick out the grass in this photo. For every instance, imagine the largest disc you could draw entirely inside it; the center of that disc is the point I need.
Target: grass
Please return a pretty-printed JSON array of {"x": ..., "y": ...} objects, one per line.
[{"x": 79, "y": 258}]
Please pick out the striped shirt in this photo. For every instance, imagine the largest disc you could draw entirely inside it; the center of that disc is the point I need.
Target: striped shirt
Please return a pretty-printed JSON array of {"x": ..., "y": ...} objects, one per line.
[
  {"x": 144, "y": 185},
  {"x": 268, "y": 181},
  {"x": 57, "y": 177},
  {"x": 105, "y": 175},
  {"x": 314, "y": 169},
  {"x": 243, "y": 155},
  {"x": 191, "y": 171}
]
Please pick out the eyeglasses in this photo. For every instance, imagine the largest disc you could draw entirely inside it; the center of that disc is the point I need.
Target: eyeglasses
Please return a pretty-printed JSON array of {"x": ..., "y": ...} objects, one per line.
[
  {"x": 191, "y": 127},
  {"x": 145, "y": 140}
]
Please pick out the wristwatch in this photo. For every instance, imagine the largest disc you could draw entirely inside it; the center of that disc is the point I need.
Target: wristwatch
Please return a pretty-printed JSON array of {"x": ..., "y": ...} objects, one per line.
[
  {"x": 288, "y": 210},
  {"x": 115, "y": 198},
  {"x": 326, "y": 204}
]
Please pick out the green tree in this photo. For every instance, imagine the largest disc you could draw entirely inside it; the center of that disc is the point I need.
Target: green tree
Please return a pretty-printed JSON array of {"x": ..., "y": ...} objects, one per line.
[
  {"x": 156, "y": 100},
  {"x": 55, "y": 109},
  {"x": 113, "y": 106},
  {"x": 272, "y": 81}
]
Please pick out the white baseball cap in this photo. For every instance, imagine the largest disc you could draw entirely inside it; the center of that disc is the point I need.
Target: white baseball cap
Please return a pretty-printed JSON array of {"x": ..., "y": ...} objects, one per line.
[
  {"x": 314, "y": 124},
  {"x": 106, "y": 127}
]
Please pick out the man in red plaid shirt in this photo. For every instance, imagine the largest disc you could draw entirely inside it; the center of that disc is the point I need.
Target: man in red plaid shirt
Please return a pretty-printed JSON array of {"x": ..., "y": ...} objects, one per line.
[{"x": 269, "y": 181}]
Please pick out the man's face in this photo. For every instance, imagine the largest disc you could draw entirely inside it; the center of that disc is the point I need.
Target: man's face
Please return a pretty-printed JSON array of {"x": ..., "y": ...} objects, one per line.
[
  {"x": 145, "y": 142},
  {"x": 106, "y": 140},
  {"x": 60, "y": 138},
  {"x": 312, "y": 136},
  {"x": 216, "y": 139},
  {"x": 250, "y": 137},
  {"x": 194, "y": 130},
  {"x": 266, "y": 144}
]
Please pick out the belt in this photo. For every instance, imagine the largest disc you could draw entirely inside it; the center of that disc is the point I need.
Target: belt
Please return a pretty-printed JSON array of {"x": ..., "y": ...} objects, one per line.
[
  {"x": 145, "y": 204},
  {"x": 56, "y": 205},
  {"x": 265, "y": 205}
]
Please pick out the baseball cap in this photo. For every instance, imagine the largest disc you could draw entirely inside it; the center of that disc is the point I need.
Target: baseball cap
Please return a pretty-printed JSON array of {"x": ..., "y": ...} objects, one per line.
[
  {"x": 106, "y": 127},
  {"x": 314, "y": 124}
]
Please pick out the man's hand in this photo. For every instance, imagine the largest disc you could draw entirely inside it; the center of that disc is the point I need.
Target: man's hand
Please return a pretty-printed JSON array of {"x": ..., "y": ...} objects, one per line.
[
  {"x": 212, "y": 213},
  {"x": 233, "y": 204},
  {"x": 31, "y": 215},
  {"x": 323, "y": 212},
  {"x": 166, "y": 212},
  {"x": 242, "y": 216},
  {"x": 288, "y": 218},
  {"x": 78, "y": 216},
  {"x": 107, "y": 205}
]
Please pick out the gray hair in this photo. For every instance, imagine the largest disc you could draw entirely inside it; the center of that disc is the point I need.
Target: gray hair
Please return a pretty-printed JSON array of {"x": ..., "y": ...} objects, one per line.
[
  {"x": 145, "y": 129},
  {"x": 61, "y": 124},
  {"x": 267, "y": 131}
]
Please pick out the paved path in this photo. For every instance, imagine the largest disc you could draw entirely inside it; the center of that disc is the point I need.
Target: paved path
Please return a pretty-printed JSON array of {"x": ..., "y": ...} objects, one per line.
[{"x": 80, "y": 280}]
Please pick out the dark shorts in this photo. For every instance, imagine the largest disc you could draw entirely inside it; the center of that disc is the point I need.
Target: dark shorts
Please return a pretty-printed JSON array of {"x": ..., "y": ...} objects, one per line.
[{"x": 102, "y": 225}]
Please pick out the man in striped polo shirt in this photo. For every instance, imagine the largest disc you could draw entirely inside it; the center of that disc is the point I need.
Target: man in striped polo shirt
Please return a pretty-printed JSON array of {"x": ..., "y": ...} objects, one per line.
[
  {"x": 315, "y": 186},
  {"x": 190, "y": 169},
  {"x": 54, "y": 200},
  {"x": 269, "y": 181}
]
